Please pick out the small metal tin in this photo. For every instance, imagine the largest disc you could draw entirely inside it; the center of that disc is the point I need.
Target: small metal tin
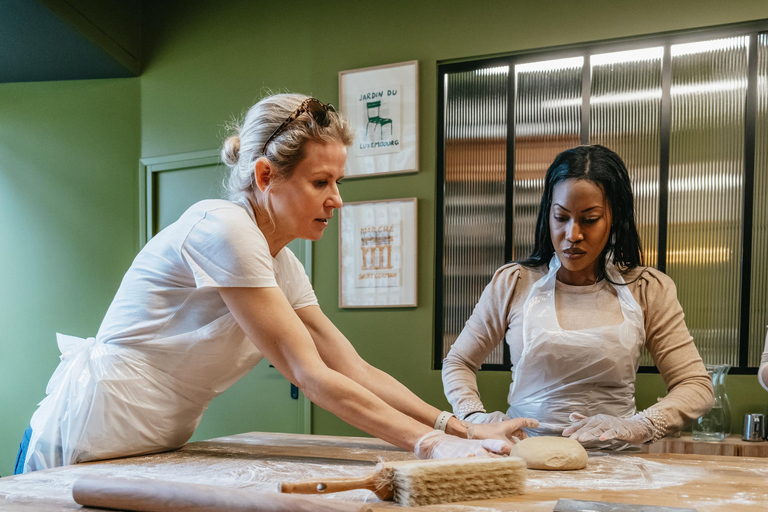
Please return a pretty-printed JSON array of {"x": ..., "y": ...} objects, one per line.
[{"x": 754, "y": 427}]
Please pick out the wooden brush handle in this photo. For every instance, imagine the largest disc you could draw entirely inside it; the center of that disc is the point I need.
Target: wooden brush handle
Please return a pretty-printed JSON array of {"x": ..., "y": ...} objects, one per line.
[
  {"x": 144, "y": 495},
  {"x": 371, "y": 482}
]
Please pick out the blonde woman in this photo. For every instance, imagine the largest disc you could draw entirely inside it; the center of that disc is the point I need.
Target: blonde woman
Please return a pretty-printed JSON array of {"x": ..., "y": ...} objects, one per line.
[{"x": 212, "y": 294}]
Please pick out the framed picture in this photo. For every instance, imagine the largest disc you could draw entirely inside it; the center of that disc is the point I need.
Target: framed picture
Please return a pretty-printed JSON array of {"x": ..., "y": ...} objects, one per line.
[
  {"x": 381, "y": 103},
  {"x": 377, "y": 254}
]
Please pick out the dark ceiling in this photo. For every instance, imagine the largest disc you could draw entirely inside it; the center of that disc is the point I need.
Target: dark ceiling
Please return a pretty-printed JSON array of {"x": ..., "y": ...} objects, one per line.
[{"x": 37, "y": 45}]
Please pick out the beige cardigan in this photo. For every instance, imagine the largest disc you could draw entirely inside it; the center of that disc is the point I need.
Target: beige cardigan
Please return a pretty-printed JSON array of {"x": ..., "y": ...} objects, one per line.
[{"x": 498, "y": 316}]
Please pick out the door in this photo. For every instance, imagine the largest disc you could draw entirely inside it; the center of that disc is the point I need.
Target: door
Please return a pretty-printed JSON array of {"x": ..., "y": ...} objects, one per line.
[{"x": 263, "y": 400}]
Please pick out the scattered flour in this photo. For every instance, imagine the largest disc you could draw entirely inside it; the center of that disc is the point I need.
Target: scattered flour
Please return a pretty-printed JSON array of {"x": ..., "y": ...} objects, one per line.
[
  {"x": 618, "y": 472},
  {"x": 261, "y": 464}
]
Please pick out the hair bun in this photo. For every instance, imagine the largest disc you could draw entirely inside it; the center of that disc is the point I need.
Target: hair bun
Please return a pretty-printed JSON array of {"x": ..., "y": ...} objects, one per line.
[{"x": 230, "y": 153}]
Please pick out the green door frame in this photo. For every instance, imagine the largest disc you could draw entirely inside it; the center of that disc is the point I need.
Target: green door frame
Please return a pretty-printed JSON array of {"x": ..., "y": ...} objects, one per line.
[{"x": 149, "y": 168}]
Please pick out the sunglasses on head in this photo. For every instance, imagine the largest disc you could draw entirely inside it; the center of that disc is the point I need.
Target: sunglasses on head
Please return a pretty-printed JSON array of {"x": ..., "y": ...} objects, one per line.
[{"x": 315, "y": 108}]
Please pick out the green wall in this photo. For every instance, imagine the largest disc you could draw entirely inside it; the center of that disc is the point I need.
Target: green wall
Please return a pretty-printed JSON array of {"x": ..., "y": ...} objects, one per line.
[
  {"x": 69, "y": 156},
  {"x": 207, "y": 62},
  {"x": 68, "y": 226}
]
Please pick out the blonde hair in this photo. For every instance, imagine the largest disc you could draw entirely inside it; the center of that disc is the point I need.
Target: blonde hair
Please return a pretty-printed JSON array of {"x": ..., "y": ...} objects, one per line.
[{"x": 244, "y": 147}]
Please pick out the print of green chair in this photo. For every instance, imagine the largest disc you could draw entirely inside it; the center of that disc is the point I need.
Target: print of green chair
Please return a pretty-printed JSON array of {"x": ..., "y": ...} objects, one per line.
[{"x": 374, "y": 107}]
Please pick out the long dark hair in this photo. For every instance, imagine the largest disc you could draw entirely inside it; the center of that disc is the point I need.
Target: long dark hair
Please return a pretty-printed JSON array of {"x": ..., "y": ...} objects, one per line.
[{"x": 605, "y": 168}]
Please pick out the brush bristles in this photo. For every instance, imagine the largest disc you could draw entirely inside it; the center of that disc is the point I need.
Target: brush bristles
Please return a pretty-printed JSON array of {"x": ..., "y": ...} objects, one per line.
[{"x": 445, "y": 481}]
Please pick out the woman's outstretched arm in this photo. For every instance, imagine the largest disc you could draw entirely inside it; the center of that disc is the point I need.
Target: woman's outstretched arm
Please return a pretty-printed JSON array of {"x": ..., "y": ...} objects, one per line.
[{"x": 276, "y": 330}]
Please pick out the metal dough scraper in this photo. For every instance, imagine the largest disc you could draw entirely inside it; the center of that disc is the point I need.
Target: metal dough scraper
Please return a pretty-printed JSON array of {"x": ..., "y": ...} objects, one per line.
[{"x": 605, "y": 506}]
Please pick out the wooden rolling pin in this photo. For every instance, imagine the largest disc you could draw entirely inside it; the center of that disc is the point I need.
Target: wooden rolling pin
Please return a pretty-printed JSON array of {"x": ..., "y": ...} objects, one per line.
[{"x": 145, "y": 495}]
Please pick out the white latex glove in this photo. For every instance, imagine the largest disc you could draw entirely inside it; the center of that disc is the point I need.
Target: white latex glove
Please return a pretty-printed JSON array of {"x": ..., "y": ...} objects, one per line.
[
  {"x": 439, "y": 445},
  {"x": 635, "y": 430},
  {"x": 487, "y": 417},
  {"x": 510, "y": 430}
]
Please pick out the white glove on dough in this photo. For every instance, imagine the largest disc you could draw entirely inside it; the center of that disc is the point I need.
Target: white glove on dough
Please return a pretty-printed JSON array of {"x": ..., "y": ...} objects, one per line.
[
  {"x": 509, "y": 430},
  {"x": 439, "y": 445},
  {"x": 635, "y": 430}
]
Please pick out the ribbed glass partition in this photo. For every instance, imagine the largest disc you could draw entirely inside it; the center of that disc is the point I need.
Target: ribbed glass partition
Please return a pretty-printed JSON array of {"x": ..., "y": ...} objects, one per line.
[
  {"x": 625, "y": 116},
  {"x": 709, "y": 83},
  {"x": 474, "y": 193},
  {"x": 685, "y": 118},
  {"x": 759, "y": 302},
  {"x": 547, "y": 121}
]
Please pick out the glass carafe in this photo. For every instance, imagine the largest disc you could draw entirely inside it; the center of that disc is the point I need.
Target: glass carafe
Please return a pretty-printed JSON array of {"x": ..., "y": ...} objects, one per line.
[{"x": 715, "y": 425}]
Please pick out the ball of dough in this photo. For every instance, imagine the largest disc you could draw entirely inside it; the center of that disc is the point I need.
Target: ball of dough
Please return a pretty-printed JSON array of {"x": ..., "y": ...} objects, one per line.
[{"x": 551, "y": 453}]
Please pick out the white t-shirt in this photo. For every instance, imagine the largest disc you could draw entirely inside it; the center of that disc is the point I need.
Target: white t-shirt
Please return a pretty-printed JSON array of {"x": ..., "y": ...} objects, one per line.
[
  {"x": 170, "y": 288},
  {"x": 167, "y": 345},
  {"x": 169, "y": 295}
]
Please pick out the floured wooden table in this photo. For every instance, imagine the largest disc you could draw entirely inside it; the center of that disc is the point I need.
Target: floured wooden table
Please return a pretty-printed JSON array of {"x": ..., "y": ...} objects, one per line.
[{"x": 259, "y": 461}]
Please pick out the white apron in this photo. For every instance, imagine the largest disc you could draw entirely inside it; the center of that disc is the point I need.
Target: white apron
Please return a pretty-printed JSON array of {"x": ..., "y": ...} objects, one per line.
[
  {"x": 589, "y": 371},
  {"x": 111, "y": 400}
]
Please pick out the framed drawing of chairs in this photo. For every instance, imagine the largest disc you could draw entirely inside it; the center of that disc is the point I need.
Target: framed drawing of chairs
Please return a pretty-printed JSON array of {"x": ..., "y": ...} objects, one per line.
[
  {"x": 382, "y": 105},
  {"x": 373, "y": 111}
]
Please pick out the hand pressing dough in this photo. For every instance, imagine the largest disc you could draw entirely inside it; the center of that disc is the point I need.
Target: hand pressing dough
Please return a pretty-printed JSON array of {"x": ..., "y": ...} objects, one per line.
[{"x": 551, "y": 453}]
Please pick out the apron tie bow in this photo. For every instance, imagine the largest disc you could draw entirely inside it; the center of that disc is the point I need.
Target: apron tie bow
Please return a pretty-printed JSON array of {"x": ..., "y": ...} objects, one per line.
[{"x": 69, "y": 346}]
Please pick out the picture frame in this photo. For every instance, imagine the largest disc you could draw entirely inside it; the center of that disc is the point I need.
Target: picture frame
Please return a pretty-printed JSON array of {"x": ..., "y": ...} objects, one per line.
[
  {"x": 378, "y": 254},
  {"x": 381, "y": 103}
]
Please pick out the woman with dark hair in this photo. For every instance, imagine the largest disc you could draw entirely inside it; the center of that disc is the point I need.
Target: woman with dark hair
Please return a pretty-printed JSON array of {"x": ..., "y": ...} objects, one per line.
[{"x": 576, "y": 315}]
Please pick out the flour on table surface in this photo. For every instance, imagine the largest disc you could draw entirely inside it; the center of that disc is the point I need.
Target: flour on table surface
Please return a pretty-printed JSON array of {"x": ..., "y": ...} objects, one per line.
[
  {"x": 618, "y": 472},
  {"x": 261, "y": 475}
]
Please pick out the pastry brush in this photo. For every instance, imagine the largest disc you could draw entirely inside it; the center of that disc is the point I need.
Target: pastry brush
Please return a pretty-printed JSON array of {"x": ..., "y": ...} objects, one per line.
[{"x": 429, "y": 482}]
